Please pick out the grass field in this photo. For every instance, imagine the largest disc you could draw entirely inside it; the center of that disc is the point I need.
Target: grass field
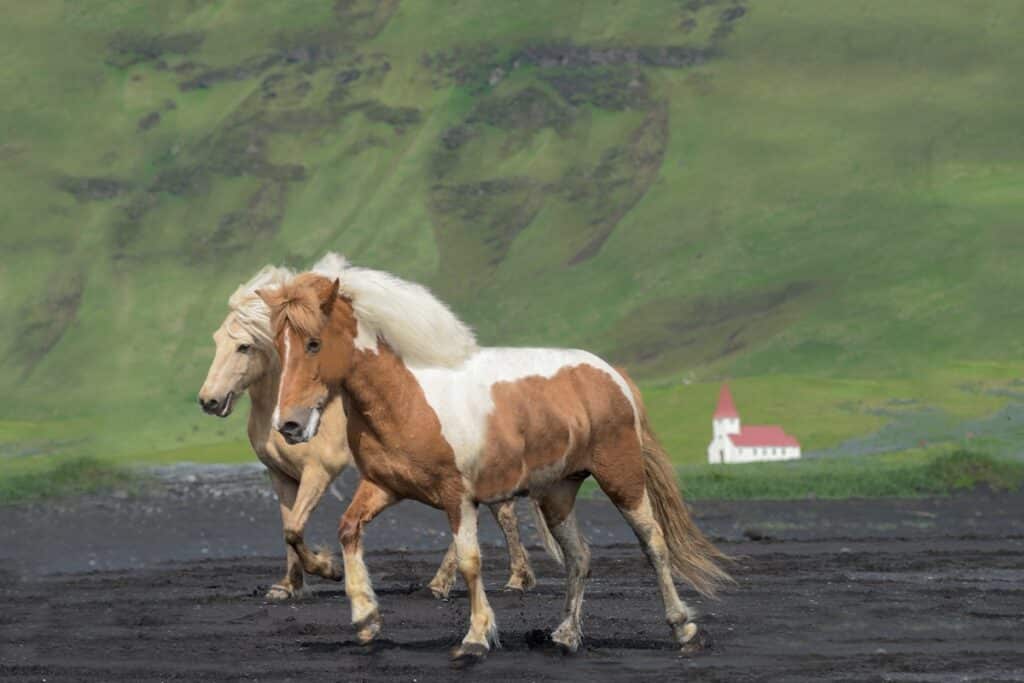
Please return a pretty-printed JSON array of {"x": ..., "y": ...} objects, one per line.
[
  {"x": 820, "y": 201},
  {"x": 920, "y": 473}
]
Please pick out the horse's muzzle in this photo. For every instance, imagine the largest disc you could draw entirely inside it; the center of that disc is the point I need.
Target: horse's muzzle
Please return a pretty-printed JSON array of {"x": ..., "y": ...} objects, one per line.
[
  {"x": 301, "y": 425},
  {"x": 220, "y": 408},
  {"x": 292, "y": 432}
]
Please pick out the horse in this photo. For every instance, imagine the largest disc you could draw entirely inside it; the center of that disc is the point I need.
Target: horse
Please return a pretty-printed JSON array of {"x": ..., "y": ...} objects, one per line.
[
  {"x": 436, "y": 418},
  {"x": 246, "y": 361}
]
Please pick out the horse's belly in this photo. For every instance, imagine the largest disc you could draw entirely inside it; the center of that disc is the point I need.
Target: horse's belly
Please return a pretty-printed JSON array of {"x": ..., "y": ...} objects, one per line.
[
  {"x": 544, "y": 477},
  {"x": 530, "y": 469}
]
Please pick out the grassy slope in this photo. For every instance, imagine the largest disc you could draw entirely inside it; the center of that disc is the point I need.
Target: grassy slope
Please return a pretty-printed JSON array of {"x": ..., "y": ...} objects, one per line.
[{"x": 826, "y": 209}]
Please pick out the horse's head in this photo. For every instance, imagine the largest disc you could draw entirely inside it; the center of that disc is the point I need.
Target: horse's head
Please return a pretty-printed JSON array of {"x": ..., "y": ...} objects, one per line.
[
  {"x": 314, "y": 331},
  {"x": 242, "y": 357}
]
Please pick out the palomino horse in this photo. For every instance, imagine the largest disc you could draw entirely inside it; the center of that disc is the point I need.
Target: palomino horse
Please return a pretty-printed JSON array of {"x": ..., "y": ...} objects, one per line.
[
  {"x": 246, "y": 360},
  {"x": 437, "y": 419}
]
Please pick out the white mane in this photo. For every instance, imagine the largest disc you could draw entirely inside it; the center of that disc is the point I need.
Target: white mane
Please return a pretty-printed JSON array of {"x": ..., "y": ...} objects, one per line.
[
  {"x": 417, "y": 325},
  {"x": 249, "y": 310}
]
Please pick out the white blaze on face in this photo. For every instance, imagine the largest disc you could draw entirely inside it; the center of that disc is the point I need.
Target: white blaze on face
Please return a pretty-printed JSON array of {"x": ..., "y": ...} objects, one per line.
[{"x": 276, "y": 420}]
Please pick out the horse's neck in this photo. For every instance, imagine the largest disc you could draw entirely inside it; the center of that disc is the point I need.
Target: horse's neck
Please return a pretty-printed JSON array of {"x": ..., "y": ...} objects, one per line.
[
  {"x": 386, "y": 394},
  {"x": 263, "y": 399},
  {"x": 263, "y": 393}
]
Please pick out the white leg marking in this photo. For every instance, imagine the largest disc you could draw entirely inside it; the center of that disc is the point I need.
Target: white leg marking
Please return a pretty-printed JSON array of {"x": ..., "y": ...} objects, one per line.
[{"x": 483, "y": 628}]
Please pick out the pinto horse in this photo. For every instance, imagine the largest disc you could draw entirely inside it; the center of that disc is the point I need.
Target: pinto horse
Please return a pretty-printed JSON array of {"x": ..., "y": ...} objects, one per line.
[
  {"x": 246, "y": 361},
  {"x": 439, "y": 420}
]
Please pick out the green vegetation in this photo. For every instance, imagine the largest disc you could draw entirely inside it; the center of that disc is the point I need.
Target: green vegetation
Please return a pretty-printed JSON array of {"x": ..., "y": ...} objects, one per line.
[
  {"x": 864, "y": 477},
  {"x": 892, "y": 475},
  {"x": 818, "y": 200},
  {"x": 67, "y": 477}
]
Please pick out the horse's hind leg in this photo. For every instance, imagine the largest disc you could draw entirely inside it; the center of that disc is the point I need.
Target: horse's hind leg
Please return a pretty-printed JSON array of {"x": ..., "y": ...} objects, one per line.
[
  {"x": 520, "y": 573},
  {"x": 521, "y": 576},
  {"x": 652, "y": 538},
  {"x": 557, "y": 507},
  {"x": 444, "y": 580},
  {"x": 620, "y": 473}
]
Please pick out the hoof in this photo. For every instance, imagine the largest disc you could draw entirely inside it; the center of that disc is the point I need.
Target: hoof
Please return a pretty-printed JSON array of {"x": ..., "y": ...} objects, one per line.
[
  {"x": 468, "y": 654},
  {"x": 568, "y": 640},
  {"x": 328, "y": 566},
  {"x": 520, "y": 583},
  {"x": 280, "y": 593},
  {"x": 368, "y": 627},
  {"x": 441, "y": 589},
  {"x": 697, "y": 640},
  {"x": 334, "y": 571}
]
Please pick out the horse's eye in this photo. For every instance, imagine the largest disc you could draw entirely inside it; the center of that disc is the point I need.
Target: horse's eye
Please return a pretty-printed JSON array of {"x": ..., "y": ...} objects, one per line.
[
  {"x": 244, "y": 348},
  {"x": 313, "y": 345}
]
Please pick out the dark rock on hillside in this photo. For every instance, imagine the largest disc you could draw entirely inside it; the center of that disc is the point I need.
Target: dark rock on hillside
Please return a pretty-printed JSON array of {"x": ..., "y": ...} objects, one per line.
[
  {"x": 569, "y": 55},
  {"x": 527, "y": 109},
  {"x": 148, "y": 121},
  {"x": 614, "y": 89},
  {"x": 42, "y": 323},
  {"x": 239, "y": 72},
  {"x": 128, "y": 49},
  {"x": 92, "y": 189},
  {"x": 399, "y": 117},
  {"x": 476, "y": 223}
]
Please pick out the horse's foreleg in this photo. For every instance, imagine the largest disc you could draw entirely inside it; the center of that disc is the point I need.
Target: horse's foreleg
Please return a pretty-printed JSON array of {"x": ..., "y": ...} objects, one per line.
[
  {"x": 311, "y": 489},
  {"x": 557, "y": 507},
  {"x": 444, "y": 580},
  {"x": 369, "y": 500},
  {"x": 291, "y": 585},
  {"x": 483, "y": 628},
  {"x": 520, "y": 573}
]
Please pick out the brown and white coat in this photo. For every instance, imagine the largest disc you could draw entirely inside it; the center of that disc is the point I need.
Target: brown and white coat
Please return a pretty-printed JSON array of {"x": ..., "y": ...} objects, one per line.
[{"x": 436, "y": 419}]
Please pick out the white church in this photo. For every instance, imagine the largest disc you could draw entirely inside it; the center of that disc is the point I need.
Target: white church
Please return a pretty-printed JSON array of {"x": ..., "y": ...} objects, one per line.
[{"x": 732, "y": 443}]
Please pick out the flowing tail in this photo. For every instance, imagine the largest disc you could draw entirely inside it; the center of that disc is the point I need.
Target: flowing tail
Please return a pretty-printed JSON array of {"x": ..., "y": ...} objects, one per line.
[
  {"x": 547, "y": 540},
  {"x": 693, "y": 557}
]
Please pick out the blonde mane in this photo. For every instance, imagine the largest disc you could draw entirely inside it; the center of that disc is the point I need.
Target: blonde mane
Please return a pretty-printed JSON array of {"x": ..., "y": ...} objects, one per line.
[
  {"x": 417, "y": 325},
  {"x": 248, "y": 311}
]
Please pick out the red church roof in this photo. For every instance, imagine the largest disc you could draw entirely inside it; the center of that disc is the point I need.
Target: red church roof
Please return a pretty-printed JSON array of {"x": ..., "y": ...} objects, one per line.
[
  {"x": 726, "y": 408},
  {"x": 770, "y": 436}
]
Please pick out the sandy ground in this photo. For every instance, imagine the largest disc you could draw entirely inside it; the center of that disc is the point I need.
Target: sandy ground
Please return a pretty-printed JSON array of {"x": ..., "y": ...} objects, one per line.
[{"x": 168, "y": 586}]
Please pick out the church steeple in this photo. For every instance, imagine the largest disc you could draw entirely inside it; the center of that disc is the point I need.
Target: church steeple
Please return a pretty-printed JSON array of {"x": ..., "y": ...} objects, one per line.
[
  {"x": 726, "y": 419},
  {"x": 726, "y": 409}
]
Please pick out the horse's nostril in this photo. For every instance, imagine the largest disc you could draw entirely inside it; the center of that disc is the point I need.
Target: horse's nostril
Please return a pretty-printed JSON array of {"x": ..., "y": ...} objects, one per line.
[{"x": 290, "y": 428}]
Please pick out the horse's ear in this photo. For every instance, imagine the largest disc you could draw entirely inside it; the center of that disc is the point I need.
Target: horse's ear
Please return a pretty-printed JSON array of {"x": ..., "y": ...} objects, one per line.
[{"x": 327, "y": 305}]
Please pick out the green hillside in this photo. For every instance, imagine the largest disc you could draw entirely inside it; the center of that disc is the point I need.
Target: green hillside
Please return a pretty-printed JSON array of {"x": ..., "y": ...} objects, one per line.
[{"x": 819, "y": 199}]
